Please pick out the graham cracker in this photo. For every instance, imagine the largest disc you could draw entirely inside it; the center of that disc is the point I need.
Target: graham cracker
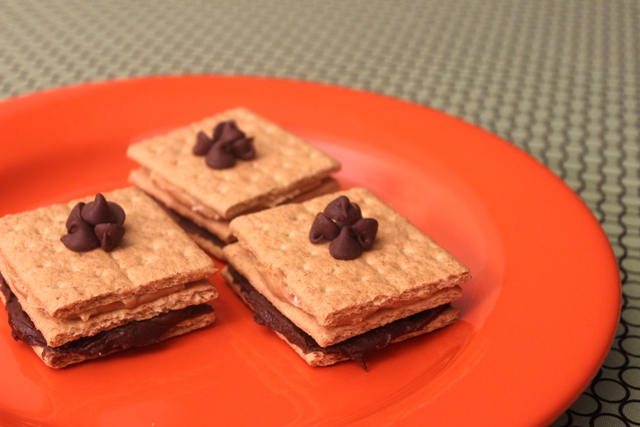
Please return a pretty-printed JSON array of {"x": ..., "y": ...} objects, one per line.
[
  {"x": 220, "y": 227},
  {"x": 403, "y": 268},
  {"x": 325, "y": 356},
  {"x": 329, "y": 335},
  {"x": 180, "y": 204},
  {"x": 285, "y": 166},
  {"x": 61, "y": 331},
  {"x": 320, "y": 358},
  {"x": 56, "y": 285},
  {"x": 60, "y": 359},
  {"x": 208, "y": 246}
]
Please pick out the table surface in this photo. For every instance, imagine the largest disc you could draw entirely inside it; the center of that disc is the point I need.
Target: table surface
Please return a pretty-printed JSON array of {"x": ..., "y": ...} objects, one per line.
[{"x": 560, "y": 80}]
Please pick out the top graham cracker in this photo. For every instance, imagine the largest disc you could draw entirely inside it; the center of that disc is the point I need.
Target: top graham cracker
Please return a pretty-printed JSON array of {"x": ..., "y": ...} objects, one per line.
[
  {"x": 284, "y": 164},
  {"x": 403, "y": 266},
  {"x": 154, "y": 254}
]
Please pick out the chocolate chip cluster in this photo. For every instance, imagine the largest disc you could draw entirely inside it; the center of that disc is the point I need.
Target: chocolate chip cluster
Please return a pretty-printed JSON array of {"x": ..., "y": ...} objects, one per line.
[
  {"x": 97, "y": 224},
  {"x": 228, "y": 144},
  {"x": 342, "y": 223}
]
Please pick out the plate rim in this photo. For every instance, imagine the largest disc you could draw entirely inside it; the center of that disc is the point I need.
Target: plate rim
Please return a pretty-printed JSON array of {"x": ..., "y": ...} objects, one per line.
[{"x": 7, "y": 103}]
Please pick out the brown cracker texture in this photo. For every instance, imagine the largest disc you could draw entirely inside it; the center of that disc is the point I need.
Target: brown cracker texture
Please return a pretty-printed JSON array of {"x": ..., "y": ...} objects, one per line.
[
  {"x": 154, "y": 254},
  {"x": 403, "y": 265},
  {"x": 318, "y": 358},
  {"x": 60, "y": 359},
  {"x": 284, "y": 166},
  {"x": 61, "y": 331},
  {"x": 328, "y": 335}
]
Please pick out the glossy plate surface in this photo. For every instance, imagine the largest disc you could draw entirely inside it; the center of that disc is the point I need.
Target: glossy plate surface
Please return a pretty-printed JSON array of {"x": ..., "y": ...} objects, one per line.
[{"x": 538, "y": 317}]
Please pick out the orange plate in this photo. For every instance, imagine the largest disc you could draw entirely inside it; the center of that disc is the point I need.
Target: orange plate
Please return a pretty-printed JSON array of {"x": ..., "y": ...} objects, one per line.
[{"x": 538, "y": 316}]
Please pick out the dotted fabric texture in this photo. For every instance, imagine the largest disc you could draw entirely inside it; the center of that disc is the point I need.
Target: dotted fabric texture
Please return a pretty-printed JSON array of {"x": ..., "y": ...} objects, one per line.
[{"x": 559, "y": 79}]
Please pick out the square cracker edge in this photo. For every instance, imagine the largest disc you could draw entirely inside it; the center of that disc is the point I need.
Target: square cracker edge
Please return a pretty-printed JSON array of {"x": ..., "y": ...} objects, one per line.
[
  {"x": 154, "y": 254},
  {"x": 284, "y": 162},
  {"x": 404, "y": 264}
]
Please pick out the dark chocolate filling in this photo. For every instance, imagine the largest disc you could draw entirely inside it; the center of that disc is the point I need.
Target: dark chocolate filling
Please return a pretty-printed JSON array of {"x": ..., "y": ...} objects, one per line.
[
  {"x": 191, "y": 227},
  {"x": 355, "y": 348},
  {"x": 134, "y": 334},
  {"x": 22, "y": 328}
]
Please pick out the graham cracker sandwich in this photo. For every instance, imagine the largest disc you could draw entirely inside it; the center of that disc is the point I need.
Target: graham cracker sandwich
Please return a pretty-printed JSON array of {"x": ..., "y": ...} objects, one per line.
[
  {"x": 227, "y": 165},
  {"x": 342, "y": 275},
  {"x": 98, "y": 275}
]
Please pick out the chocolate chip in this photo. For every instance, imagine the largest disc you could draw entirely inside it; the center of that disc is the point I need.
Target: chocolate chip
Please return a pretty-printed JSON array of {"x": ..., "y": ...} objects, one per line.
[
  {"x": 346, "y": 245},
  {"x": 323, "y": 228},
  {"x": 118, "y": 212},
  {"x": 98, "y": 211},
  {"x": 228, "y": 144},
  {"x": 80, "y": 237},
  {"x": 109, "y": 235},
  {"x": 203, "y": 144},
  {"x": 365, "y": 230},
  {"x": 342, "y": 211},
  {"x": 217, "y": 131},
  {"x": 227, "y": 132},
  {"x": 75, "y": 215},
  {"x": 220, "y": 156},
  {"x": 93, "y": 225},
  {"x": 341, "y": 222},
  {"x": 243, "y": 149}
]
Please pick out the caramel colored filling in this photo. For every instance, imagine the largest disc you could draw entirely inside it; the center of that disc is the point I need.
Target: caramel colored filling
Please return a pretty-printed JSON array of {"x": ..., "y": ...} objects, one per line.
[
  {"x": 355, "y": 348},
  {"x": 276, "y": 285},
  {"x": 127, "y": 303}
]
